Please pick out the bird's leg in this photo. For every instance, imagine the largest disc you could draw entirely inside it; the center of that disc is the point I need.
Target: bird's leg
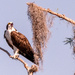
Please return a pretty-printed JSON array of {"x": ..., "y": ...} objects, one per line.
[{"x": 16, "y": 55}]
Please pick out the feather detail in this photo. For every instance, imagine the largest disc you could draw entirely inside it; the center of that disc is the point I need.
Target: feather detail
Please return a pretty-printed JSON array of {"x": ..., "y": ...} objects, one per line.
[{"x": 25, "y": 49}]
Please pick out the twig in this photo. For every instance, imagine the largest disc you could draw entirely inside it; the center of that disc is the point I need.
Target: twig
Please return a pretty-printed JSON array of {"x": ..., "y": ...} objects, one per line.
[
  {"x": 30, "y": 70},
  {"x": 54, "y": 13}
]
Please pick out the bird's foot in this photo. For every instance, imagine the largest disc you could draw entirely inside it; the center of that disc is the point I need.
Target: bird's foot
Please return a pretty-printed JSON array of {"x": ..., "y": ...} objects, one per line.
[{"x": 15, "y": 56}]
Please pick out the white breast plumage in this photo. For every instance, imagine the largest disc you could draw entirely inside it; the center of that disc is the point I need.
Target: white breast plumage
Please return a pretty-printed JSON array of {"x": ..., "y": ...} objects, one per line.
[{"x": 8, "y": 35}]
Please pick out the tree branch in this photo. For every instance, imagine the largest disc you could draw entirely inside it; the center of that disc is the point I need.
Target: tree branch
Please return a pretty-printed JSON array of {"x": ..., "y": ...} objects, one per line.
[
  {"x": 30, "y": 70},
  {"x": 54, "y": 13}
]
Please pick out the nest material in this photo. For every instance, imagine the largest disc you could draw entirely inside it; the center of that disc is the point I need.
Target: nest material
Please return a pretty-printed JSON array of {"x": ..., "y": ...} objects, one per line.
[{"x": 40, "y": 29}]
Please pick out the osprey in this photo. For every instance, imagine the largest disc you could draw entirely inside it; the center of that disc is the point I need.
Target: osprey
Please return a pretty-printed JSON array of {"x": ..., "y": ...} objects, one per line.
[{"x": 20, "y": 44}]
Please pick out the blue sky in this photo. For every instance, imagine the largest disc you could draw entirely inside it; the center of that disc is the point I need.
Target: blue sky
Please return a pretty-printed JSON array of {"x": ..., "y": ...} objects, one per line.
[{"x": 58, "y": 58}]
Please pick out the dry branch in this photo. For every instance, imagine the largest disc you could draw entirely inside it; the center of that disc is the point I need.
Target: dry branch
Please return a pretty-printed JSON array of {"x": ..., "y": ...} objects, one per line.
[
  {"x": 30, "y": 70},
  {"x": 58, "y": 15},
  {"x": 54, "y": 13}
]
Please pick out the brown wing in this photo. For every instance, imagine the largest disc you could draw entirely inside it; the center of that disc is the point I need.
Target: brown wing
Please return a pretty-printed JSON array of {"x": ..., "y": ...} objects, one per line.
[
  {"x": 7, "y": 40},
  {"x": 22, "y": 43}
]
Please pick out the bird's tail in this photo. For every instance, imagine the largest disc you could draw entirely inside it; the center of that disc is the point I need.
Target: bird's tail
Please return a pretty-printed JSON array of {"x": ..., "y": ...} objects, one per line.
[
  {"x": 33, "y": 57},
  {"x": 36, "y": 59}
]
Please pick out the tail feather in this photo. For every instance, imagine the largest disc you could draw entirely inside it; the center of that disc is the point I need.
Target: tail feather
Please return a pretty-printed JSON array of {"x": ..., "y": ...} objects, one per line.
[
  {"x": 36, "y": 59},
  {"x": 32, "y": 57}
]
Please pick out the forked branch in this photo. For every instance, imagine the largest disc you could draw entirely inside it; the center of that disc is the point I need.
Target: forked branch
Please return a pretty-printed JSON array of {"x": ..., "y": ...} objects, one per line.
[{"x": 30, "y": 70}]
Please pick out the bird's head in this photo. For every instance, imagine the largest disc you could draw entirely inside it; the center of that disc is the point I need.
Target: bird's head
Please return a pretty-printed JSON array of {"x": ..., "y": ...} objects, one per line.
[{"x": 9, "y": 25}]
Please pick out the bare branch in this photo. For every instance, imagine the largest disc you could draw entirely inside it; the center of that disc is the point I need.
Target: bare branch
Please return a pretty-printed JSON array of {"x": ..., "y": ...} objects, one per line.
[
  {"x": 54, "y": 13},
  {"x": 5, "y": 51},
  {"x": 30, "y": 70}
]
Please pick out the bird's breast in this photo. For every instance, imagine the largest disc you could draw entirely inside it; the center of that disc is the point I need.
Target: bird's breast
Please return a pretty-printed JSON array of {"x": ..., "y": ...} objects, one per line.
[{"x": 8, "y": 36}]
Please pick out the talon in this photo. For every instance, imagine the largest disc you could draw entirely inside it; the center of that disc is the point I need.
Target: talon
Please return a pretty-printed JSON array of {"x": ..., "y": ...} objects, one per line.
[{"x": 16, "y": 56}]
